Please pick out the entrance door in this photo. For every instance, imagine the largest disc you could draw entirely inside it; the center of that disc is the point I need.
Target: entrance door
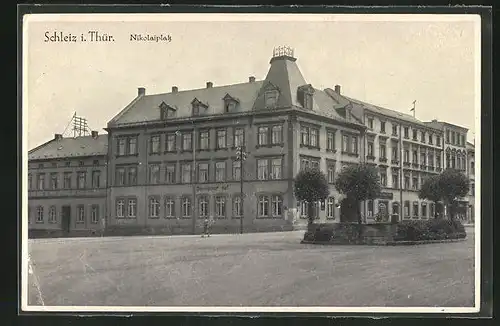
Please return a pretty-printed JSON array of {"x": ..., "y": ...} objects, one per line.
[{"x": 66, "y": 218}]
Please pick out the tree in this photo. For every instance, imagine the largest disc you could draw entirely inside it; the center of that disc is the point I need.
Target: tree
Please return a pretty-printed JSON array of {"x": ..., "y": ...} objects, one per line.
[
  {"x": 453, "y": 184},
  {"x": 359, "y": 183},
  {"x": 432, "y": 191},
  {"x": 311, "y": 186}
]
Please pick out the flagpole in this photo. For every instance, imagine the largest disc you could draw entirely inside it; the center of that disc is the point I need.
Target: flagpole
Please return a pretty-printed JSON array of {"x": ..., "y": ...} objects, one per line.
[{"x": 413, "y": 109}]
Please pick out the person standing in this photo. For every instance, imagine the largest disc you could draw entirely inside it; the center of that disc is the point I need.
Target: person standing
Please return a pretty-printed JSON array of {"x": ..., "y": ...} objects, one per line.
[{"x": 205, "y": 228}]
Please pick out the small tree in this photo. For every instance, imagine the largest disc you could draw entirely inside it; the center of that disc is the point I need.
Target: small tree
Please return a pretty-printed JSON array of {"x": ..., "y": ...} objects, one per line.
[
  {"x": 358, "y": 183},
  {"x": 310, "y": 185},
  {"x": 432, "y": 191},
  {"x": 453, "y": 184}
]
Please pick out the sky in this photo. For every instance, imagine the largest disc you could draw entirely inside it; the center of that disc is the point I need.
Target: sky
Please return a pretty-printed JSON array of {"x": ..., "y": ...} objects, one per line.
[{"x": 388, "y": 62}]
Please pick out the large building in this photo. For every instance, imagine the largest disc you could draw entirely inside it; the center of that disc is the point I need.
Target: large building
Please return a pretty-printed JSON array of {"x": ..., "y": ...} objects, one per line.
[
  {"x": 170, "y": 160},
  {"x": 67, "y": 185}
]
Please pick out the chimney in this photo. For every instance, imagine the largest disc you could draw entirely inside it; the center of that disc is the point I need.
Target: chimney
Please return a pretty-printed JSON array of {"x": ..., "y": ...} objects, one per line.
[
  {"x": 175, "y": 89},
  {"x": 141, "y": 91},
  {"x": 209, "y": 84},
  {"x": 95, "y": 133},
  {"x": 337, "y": 89},
  {"x": 58, "y": 136},
  {"x": 251, "y": 79}
]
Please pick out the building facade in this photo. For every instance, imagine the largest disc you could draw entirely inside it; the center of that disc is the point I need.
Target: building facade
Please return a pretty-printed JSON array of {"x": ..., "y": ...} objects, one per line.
[
  {"x": 471, "y": 173},
  {"x": 67, "y": 185},
  {"x": 170, "y": 160}
]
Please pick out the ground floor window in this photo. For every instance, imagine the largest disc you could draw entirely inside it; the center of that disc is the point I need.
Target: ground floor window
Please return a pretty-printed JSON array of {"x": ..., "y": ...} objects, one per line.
[
  {"x": 169, "y": 207},
  {"x": 203, "y": 202},
  {"x": 304, "y": 209},
  {"x": 263, "y": 209},
  {"x": 120, "y": 203},
  {"x": 369, "y": 208},
  {"x": 154, "y": 207},
  {"x": 330, "y": 208},
  {"x": 186, "y": 207},
  {"x": 52, "y": 214},
  {"x": 424, "y": 210},
  {"x": 220, "y": 206},
  {"x": 29, "y": 214},
  {"x": 94, "y": 218},
  {"x": 39, "y": 214},
  {"x": 237, "y": 207},
  {"x": 407, "y": 209},
  {"x": 415, "y": 210},
  {"x": 132, "y": 208},
  {"x": 431, "y": 210},
  {"x": 277, "y": 206},
  {"x": 395, "y": 208},
  {"x": 80, "y": 217}
]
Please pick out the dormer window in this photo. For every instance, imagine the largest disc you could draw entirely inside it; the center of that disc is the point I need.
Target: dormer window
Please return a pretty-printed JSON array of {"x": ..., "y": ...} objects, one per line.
[
  {"x": 271, "y": 99},
  {"x": 230, "y": 103},
  {"x": 305, "y": 96},
  {"x": 199, "y": 108},
  {"x": 167, "y": 111}
]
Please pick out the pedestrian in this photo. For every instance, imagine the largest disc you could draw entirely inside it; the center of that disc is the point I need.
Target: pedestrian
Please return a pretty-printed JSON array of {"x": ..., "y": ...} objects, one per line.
[{"x": 205, "y": 228}]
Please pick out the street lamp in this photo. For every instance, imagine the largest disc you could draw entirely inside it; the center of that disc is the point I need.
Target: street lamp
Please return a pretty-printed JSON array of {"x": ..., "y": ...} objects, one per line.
[{"x": 241, "y": 156}]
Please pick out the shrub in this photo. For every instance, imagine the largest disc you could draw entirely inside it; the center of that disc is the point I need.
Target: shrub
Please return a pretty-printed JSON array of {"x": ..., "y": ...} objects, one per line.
[{"x": 434, "y": 229}]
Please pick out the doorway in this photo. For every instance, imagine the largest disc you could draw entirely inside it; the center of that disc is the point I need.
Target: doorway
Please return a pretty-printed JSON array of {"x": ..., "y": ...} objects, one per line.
[{"x": 66, "y": 218}]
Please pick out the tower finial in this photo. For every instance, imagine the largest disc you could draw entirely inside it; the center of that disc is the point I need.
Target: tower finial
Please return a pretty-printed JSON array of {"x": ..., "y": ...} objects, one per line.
[{"x": 283, "y": 51}]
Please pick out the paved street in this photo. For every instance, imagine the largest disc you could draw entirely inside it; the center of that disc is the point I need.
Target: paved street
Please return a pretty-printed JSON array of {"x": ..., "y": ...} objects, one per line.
[{"x": 265, "y": 269}]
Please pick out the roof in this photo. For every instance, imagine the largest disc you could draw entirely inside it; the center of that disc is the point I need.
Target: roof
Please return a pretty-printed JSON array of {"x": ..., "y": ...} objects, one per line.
[{"x": 71, "y": 147}]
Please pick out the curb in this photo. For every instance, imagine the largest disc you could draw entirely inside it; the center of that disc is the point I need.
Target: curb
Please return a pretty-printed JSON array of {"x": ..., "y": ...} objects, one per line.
[{"x": 391, "y": 243}]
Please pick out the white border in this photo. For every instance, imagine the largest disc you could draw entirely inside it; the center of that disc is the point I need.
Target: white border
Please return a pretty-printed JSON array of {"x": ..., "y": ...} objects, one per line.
[{"x": 251, "y": 17}]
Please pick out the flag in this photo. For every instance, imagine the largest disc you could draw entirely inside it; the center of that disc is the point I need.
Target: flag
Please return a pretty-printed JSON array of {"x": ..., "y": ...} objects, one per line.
[{"x": 413, "y": 108}]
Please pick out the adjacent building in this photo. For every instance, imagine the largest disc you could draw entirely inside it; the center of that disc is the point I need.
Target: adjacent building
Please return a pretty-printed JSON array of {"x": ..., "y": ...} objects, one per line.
[{"x": 169, "y": 160}]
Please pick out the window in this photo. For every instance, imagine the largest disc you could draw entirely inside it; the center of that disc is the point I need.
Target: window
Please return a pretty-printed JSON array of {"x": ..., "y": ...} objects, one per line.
[
  {"x": 186, "y": 173},
  {"x": 331, "y": 173},
  {"x": 415, "y": 182},
  {"x": 438, "y": 140},
  {"x": 203, "y": 172},
  {"x": 383, "y": 178},
  {"x": 394, "y": 129},
  {"x": 221, "y": 139},
  {"x": 277, "y": 135},
  {"x": 40, "y": 181},
  {"x": 407, "y": 182},
  {"x": 472, "y": 167},
  {"x": 154, "y": 207},
  {"x": 220, "y": 171},
  {"x": 220, "y": 207},
  {"x": 67, "y": 163},
  {"x": 370, "y": 123},
  {"x": 407, "y": 209},
  {"x": 169, "y": 207},
  {"x": 382, "y": 127},
  {"x": 120, "y": 176},
  {"x": 154, "y": 144},
  {"x": 170, "y": 143},
  {"x": 430, "y": 139},
  {"x": 431, "y": 210},
  {"x": 431, "y": 159},
  {"x": 94, "y": 214},
  {"x": 277, "y": 206},
  {"x": 370, "y": 149},
  {"x": 330, "y": 146},
  {"x": 263, "y": 209},
  {"x": 262, "y": 169},
  {"x": 96, "y": 179},
  {"x": 330, "y": 208},
  {"x": 236, "y": 170},
  {"x": 309, "y": 136},
  {"x": 80, "y": 216},
  {"x": 314, "y": 137},
  {"x": 422, "y": 136},
  {"x": 472, "y": 189},
  {"x": 187, "y": 143},
  {"x": 415, "y": 157},
  {"x": 204, "y": 140},
  {"x": 407, "y": 155},
  {"x": 422, "y": 158},
  {"x": 395, "y": 150},
  {"x": 345, "y": 144},
  {"x": 154, "y": 173},
  {"x": 415, "y": 134},
  {"x": 239, "y": 137},
  {"x": 354, "y": 144},
  {"x": 229, "y": 105},
  {"x": 308, "y": 101},
  {"x": 463, "y": 140},
  {"x": 170, "y": 173},
  {"x": 186, "y": 207},
  {"x": 406, "y": 132},
  {"x": 309, "y": 163},
  {"x": 424, "y": 210},
  {"x": 438, "y": 161},
  {"x": 270, "y": 98},
  {"x": 453, "y": 138},
  {"x": 132, "y": 175},
  {"x": 395, "y": 180},
  {"x": 81, "y": 163},
  {"x": 383, "y": 152},
  {"x": 369, "y": 208},
  {"x": 203, "y": 202},
  {"x": 263, "y": 136},
  {"x": 119, "y": 208},
  {"x": 415, "y": 210},
  {"x": 54, "y": 165},
  {"x": 237, "y": 208},
  {"x": 132, "y": 145},
  {"x": 54, "y": 184},
  {"x": 52, "y": 214},
  {"x": 453, "y": 165},
  {"x": 39, "y": 214},
  {"x": 276, "y": 167},
  {"x": 81, "y": 180},
  {"x": 132, "y": 208},
  {"x": 122, "y": 146},
  {"x": 448, "y": 161},
  {"x": 30, "y": 181}
]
